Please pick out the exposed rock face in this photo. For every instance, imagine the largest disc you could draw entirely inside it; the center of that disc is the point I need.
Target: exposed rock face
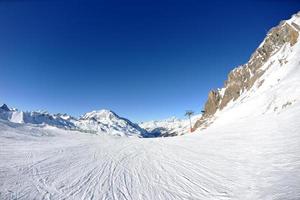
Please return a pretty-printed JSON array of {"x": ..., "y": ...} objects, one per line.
[
  {"x": 4, "y": 107},
  {"x": 243, "y": 77},
  {"x": 212, "y": 103}
]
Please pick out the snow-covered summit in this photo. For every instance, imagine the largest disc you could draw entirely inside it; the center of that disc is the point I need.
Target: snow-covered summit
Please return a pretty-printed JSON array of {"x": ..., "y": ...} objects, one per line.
[
  {"x": 97, "y": 122},
  {"x": 108, "y": 121},
  {"x": 99, "y": 115}
]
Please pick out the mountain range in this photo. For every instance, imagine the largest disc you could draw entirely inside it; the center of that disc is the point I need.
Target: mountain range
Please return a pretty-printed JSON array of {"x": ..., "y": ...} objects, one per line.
[{"x": 271, "y": 59}]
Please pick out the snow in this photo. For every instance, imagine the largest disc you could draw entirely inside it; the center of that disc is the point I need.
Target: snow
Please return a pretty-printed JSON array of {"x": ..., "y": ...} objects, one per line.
[
  {"x": 251, "y": 151},
  {"x": 248, "y": 159},
  {"x": 169, "y": 127},
  {"x": 97, "y": 122},
  {"x": 17, "y": 117},
  {"x": 109, "y": 122},
  {"x": 295, "y": 19}
]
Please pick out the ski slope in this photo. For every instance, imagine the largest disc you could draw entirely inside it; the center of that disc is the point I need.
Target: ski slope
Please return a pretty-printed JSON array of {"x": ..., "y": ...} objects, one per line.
[{"x": 245, "y": 161}]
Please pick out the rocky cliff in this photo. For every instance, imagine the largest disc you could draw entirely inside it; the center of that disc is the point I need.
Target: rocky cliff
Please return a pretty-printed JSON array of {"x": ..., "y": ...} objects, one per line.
[{"x": 242, "y": 78}]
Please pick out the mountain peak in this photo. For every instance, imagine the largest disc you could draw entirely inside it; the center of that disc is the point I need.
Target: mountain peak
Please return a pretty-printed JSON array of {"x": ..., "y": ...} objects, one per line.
[
  {"x": 5, "y": 107},
  {"x": 107, "y": 121},
  {"x": 99, "y": 115}
]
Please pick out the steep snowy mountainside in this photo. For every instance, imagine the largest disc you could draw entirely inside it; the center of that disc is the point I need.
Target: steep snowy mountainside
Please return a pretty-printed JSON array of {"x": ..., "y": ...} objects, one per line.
[
  {"x": 278, "y": 49},
  {"x": 275, "y": 92},
  {"x": 109, "y": 122},
  {"x": 169, "y": 127}
]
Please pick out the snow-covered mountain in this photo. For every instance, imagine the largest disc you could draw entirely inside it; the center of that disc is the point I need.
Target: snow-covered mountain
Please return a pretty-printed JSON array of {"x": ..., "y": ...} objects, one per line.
[
  {"x": 97, "y": 122},
  {"x": 101, "y": 121},
  {"x": 35, "y": 117},
  {"x": 169, "y": 127},
  {"x": 273, "y": 64},
  {"x": 108, "y": 122}
]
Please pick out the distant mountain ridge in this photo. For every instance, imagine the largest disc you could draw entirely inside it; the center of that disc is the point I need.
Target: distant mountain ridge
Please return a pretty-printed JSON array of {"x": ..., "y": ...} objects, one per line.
[
  {"x": 101, "y": 121},
  {"x": 169, "y": 127},
  {"x": 34, "y": 117},
  {"x": 97, "y": 122}
]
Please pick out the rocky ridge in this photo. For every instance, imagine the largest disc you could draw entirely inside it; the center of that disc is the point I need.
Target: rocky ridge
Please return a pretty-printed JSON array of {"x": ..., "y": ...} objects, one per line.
[{"x": 242, "y": 78}]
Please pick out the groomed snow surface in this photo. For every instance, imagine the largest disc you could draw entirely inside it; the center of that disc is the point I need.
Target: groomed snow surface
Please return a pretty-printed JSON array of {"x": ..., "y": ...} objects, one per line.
[{"x": 258, "y": 159}]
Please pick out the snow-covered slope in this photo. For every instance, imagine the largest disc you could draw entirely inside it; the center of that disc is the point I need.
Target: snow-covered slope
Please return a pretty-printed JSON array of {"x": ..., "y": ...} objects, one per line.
[
  {"x": 243, "y": 157},
  {"x": 277, "y": 90},
  {"x": 276, "y": 55}
]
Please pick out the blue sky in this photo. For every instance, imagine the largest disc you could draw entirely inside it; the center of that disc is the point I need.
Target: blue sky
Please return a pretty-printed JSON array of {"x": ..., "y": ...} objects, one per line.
[{"x": 142, "y": 59}]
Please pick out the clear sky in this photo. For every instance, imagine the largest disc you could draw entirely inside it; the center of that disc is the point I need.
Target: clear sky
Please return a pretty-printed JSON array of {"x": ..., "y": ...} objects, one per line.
[{"x": 142, "y": 59}]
